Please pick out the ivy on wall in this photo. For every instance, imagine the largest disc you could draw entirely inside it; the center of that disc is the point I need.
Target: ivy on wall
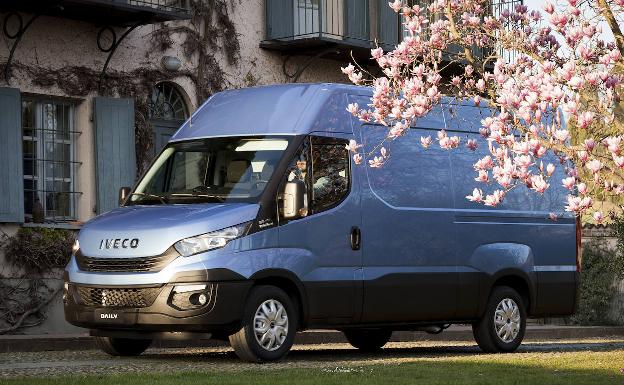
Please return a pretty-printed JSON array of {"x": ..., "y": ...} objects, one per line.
[
  {"x": 32, "y": 255},
  {"x": 35, "y": 252},
  {"x": 208, "y": 35}
]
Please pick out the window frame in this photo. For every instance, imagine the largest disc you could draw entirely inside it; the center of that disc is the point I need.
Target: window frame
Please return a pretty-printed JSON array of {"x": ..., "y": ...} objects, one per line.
[
  {"x": 328, "y": 141},
  {"x": 40, "y": 162}
]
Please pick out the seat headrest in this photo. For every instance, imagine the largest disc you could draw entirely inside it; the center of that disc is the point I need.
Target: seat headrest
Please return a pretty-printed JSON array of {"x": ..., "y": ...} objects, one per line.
[{"x": 237, "y": 171}]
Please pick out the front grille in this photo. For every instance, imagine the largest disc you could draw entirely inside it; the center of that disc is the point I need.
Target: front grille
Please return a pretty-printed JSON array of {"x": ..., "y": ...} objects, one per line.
[
  {"x": 141, "y": 264},
  {"x": 117, "y": 297}
]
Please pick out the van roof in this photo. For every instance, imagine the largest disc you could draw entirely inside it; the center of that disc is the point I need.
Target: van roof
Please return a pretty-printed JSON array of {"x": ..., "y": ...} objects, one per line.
[
  {"x": 286, "y": 109},
  {"x": 283, "y": 109}
]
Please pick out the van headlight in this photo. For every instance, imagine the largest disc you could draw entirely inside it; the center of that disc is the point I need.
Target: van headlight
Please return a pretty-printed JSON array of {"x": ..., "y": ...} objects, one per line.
[{"x": 210, "y": 241}]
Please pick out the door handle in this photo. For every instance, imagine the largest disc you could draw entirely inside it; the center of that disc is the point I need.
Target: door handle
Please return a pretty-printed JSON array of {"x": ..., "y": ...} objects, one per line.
[{"x": 356, "y": 238}]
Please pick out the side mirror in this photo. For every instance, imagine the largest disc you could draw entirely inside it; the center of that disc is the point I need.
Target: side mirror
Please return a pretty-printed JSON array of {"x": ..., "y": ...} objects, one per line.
[
  {"x": 124, "y": 193},
  {"x": 295, "y": 200}
]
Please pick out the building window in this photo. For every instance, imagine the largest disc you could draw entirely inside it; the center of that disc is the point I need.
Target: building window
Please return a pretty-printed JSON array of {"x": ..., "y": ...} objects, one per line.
[
  {"x": 49, "y": 160},
  {"x": 167, "y": 103}
]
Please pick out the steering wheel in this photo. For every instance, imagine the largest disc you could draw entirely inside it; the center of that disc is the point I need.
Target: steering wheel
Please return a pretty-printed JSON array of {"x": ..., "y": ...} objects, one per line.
[
  {"x": 202, "y": 189},
  {"x": 255, "y": 183}
]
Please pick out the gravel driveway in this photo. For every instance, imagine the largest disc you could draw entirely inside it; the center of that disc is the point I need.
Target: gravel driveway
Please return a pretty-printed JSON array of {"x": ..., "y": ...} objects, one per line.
[{"x": 330, "y": 357}]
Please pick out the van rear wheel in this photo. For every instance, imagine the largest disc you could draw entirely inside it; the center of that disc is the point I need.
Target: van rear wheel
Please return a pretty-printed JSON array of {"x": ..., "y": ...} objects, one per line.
[
  {"x": 368, "y": 340},
  {"x": 268, "y": 327},
  {"x": 503, "y": 325},
  {"x": 122, "y": 346}
]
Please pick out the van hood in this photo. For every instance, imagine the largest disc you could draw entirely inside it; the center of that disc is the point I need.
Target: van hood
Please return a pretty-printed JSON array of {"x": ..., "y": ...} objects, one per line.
[{"x": 151, "y": 230}]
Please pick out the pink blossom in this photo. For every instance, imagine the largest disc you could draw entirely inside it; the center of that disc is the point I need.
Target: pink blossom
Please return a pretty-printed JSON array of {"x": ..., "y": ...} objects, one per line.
[
  {"x": 353, "y": 108},
  {"x": 477, "y": 196},
  {"x": 353, "y": 146},
  {"x": 425, "y": 141},
  {"x": 568, "y": 182},
  {"x": 561, "y": 135},
  {"x": 484, "y": 163},
  {"x": 613, "y": 144},
  {"x": 548, "y": 7},
  {"x": 594, "y": 165},
  {"x": 598, "y": 217},
  {"x": 539, "y": 184},
  {"x": 582, "y": 188},
  {"x": 471, "y": 144},
  {"x": 348, "y": 70},
  {"x": 357, "y": 159},
  {"x": 377, "y": 53},
  {"x": 618, "y": 161},
  {"x": 550, "y": 168},
  {"x": 589, "y": 144},
  {"x": 495, "y": 198},
  {"x": 553, "y": 217},
  {"x": 376, "y": 162},
  {"x": 585, "y": 119},
  {"x": 482, "y": 177},
  {"x": 397, "y": 5}
]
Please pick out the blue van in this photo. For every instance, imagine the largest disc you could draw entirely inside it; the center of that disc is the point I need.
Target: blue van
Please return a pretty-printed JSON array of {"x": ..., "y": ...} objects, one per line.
[{"x": 254, "y": 223}]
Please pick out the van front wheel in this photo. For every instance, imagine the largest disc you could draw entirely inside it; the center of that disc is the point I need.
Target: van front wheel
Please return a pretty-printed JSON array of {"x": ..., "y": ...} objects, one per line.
[
  {"x": 502, "y": 327},
  {"x": 122, "y": 346},
  {"x": 268, "y": 327},
  {"x": 368, "y": 340}
]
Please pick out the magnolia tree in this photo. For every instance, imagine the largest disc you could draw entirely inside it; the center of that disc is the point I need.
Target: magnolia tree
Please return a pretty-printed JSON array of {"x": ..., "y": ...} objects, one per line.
[{"x": 567, "y": 72}]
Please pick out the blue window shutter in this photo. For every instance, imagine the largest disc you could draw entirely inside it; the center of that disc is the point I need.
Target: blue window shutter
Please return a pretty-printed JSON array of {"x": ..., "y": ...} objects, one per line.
[
  {"x": 115, "y": 158},
  {"x": 280, "y": 19},
  {"x": 388, "y": 26},
  {"x": 11, "y": 172}
]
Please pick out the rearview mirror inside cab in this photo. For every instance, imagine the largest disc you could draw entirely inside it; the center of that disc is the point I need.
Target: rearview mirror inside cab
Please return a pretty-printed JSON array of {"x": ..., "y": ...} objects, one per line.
[
  {"x": 294, "y": 198},
  {"x": 124, "y": 192}
]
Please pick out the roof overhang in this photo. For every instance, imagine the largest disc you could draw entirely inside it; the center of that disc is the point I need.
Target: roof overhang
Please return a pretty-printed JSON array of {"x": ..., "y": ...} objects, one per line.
[{"x": 102, "y": 12}]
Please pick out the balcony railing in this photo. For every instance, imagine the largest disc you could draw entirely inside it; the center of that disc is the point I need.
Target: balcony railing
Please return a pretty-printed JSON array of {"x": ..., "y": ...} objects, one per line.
[
  {"x": 296, "y": 25},
  {"x": 353, "y": 23},
  {"x": 104, "y": 12}
]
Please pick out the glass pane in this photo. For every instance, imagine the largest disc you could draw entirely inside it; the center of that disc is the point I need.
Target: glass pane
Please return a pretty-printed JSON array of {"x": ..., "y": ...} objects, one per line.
[
  {"x": 29, "y": 149},
  {"x": 216, "y": 169},
  {"x": 28, "y": 117},
  {"x": 58, "y": 199},
  {"x": 30, "y": 195},
  {"x": 48, "y": 120},
  {"x": 330, "y": 179},
  {"x": 57, "y": 156},
  {"x": 62, "y": 121}
]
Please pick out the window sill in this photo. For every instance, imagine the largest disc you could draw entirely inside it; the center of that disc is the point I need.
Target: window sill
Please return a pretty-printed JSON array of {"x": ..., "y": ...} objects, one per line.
[{"x": 66, "y": 226}]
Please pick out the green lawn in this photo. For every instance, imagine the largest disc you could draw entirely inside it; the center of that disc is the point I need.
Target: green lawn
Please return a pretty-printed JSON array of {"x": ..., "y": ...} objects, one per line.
[{"x": 576, "y": 367}]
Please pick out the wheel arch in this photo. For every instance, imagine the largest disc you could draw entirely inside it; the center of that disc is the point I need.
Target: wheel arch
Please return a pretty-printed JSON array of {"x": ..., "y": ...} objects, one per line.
[
  {"x": 516, "y": 279},
  {"x": 288, "y": 282}
]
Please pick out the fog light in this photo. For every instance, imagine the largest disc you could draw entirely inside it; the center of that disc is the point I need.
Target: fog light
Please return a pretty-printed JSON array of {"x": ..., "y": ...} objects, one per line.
[{"x": 202, "y": 299}]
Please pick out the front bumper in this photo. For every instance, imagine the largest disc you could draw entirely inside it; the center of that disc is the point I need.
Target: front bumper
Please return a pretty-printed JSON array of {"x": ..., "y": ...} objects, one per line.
[{"x": 117, "y": 307}]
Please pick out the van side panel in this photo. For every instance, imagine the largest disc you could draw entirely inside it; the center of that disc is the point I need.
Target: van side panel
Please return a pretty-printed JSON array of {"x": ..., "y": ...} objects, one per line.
[
  {"x": 546, "y": 252},
  {"x": 409, "y": 248}
]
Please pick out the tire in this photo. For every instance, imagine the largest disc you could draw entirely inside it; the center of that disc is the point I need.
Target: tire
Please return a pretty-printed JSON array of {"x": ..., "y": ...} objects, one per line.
[
  {"x": 368, "y": 340},
  {"x": 276, "y": 308},
  {"x": 512, "y": 333},
  {"x": 122, "y": 346}
]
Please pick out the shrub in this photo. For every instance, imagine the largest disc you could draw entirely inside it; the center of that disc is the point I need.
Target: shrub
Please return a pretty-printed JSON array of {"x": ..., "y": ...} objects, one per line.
[
  {"x": 38, "y": 250},
  {"x": 598, "y": 274}
]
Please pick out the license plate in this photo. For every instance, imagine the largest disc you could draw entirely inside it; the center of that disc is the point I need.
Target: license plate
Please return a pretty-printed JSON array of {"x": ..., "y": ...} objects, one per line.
[{"x": 114, "y": 316}]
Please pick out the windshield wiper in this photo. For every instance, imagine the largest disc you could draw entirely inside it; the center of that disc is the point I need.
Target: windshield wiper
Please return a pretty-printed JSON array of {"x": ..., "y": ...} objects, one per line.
[
  {"x": 146, "y": 195},
  {"x": 197, "y": 195}
]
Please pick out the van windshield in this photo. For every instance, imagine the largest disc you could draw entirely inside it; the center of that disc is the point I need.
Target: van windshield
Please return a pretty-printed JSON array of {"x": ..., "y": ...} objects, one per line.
[{"x": 232, "y": 169}]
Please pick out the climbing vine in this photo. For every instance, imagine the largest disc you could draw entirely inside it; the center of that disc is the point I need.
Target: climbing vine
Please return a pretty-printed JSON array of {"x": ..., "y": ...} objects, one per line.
[
  {"x": 35, "y": 256},
  {"x": 208, "y": 36}
]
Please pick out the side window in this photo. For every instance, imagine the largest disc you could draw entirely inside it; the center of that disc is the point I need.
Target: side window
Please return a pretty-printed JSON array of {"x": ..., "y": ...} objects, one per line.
[{"x": 330, "y": 173}]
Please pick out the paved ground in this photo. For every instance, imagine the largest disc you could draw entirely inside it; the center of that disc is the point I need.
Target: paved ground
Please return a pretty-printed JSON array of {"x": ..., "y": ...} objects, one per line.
[{"x": 327, "y": 357}]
